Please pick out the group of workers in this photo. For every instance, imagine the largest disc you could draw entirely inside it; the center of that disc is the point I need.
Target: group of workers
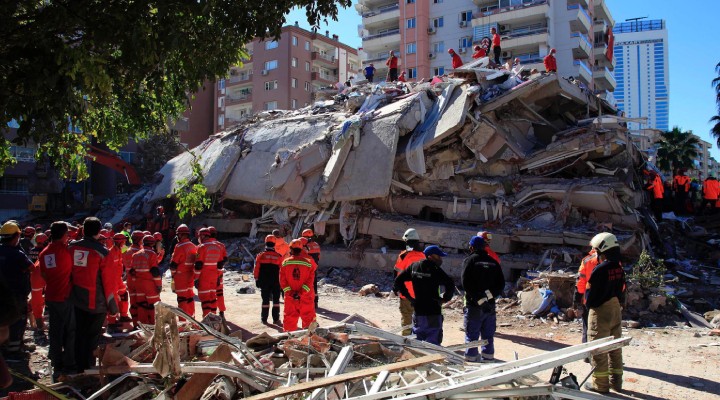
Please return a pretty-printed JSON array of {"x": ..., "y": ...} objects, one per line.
[{"x": 682, "y": 195}]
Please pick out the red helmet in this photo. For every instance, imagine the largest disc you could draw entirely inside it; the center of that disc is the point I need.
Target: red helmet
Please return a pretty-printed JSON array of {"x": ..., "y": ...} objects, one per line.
[
  {"x": 47, "y": 233},
  {"x": 119, "y": 237},
  {"x": 29, "y": 230},
  {"x": 204, "y": 232},
  {"x": 296, "y": 244},
  {"x": 476, "y": 48},
  {"x": 148, "y": 240},
  {"x": 487, "y": 236},
  {"x": 137, "y": 236},
  {"x": 160, "y": 208},
  {"x": 158, "y": 236},
  {"x": 270, "y": 239},
  {"x": 38, "y": 227},
  {"x": 451, "y": 51},
  {"x": 308, "y": 233},
  {"x": 105, "y": 233},
  {"x": 213, "y": 230},
  {"x": 182, "y": 230},
  {"x": 147, "y": 233},
  {"x": 41, "y": 238},
  {"x": 304, "y": 241}
]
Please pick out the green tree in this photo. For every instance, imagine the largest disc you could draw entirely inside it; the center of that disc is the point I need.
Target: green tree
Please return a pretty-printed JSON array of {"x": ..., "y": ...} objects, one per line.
[
  {"x": 677, "y": 149},
  {"x": 119, "y": 70},
  {"x": 715, "y": 130}
]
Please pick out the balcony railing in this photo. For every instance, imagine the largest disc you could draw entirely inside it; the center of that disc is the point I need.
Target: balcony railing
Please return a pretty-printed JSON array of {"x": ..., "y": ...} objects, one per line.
[
  {"x": 325, "y": 77},
  {"x": 384, "y": 34},
  {"x": 372, "y": 13},
  {"x": 529, "y": 58},
  {"x": 509, "y": 8},
  {"x": 582, "y": 10},
  {"x": 582, "y": 65},
  {"x": 240, "y": 78},
  {"x": 527, "y": 30},
  {"x": 583, "y": 37},
  {"x": 316, "y": 55}
]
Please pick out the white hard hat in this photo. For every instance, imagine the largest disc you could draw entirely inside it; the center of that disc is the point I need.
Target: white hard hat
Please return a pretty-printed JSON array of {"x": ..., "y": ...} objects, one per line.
[
  {"x": 604, "y": 241},
  {"x": 410, "y": 234}
]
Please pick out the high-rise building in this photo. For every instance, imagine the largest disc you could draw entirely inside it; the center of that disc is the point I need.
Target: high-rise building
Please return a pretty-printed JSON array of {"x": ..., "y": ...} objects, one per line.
[
  {"x": 642, "y": 74},
  {"x": 421, "y": 31},
  {"x": 703, "y": 165}
]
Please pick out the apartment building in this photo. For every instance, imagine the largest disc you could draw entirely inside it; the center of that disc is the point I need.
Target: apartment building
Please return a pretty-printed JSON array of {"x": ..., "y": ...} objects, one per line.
[
  {"x": 421, "y": 32},
  {"x": 642, "y": 73},
  {"x": 703, "y": 164}
]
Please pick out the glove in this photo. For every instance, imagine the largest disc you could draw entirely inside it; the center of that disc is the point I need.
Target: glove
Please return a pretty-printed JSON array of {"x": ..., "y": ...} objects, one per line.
[{"x": 197, "y": 283}]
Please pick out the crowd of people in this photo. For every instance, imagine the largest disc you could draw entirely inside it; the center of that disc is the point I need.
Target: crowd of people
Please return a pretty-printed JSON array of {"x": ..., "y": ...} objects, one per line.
[{"x": 682, "y": 194}]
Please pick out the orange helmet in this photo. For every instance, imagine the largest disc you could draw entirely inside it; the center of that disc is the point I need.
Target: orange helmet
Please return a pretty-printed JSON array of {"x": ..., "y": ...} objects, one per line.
[
  {"x": 308, "y": 233},
  {"x": 157, "y": 236},
  {"x": 304, "y": 241},
  {"x": 41, "y": 238},
  {"x": 182, "y": 230},
  {"x": 296, "y": 244},
  {"x": 487, "y": 236},
  {"x": 270, "y": 239}
]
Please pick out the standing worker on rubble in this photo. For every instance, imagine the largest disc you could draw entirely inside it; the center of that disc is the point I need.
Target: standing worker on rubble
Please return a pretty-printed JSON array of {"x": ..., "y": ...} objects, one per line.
[
  {"x": 681, "y": 188},
  {"x": 406, "y": 257},
  {"x": 26, "y": 241},
  {"x": 148, "y": 280},
  {"x": 211, "y": 257},
  {"x": 710, "y": 193},
  {"x": 656, "y": 189},
  {"x": 93, "y": 291},
  {"x": 267, "y": 279},
  {"x": 427, "y": 277},
  {"x": 455, "y": 59},
  {"x": 497, "y": 51},
  {"x": 182, "y": 266},
  {"x": 137, "y": 237},
  {"x": 392, "y": 64},
  {"x": 586, "y": 267},
  {"x": 116, "y": 264},
  {"x": 479, "y": 52},
  {"x": 15, "y": 270},
  {"x": 296, "y": 279},
  {"x": 281, "y": 245},
  {"x": 483, "y": 281},
  {"x": 37, "y": 283},
  {"x": 313, "y": 249},
  {"x": 487, "y": 237},
  {"x": 604, "y": 296},
  {"x": 550, "y": 62},
  {"x": 220, "y": 291},
  {"x": 369, "y": 72}
]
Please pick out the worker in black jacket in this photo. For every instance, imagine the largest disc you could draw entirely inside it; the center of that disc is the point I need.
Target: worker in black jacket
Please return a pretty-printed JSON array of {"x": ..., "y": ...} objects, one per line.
[
  {"x": 427, "y": 277},
  {"x": 604, "y": 295},
  {"x": 483, "y": 281}
]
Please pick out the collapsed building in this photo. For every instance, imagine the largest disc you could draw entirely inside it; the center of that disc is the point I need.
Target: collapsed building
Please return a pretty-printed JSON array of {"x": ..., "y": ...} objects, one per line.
[{"x": 540, "y": 161}]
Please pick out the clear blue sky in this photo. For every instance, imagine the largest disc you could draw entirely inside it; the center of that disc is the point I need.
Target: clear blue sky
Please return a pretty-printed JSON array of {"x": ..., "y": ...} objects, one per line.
[{"x": 694, "y": 34}]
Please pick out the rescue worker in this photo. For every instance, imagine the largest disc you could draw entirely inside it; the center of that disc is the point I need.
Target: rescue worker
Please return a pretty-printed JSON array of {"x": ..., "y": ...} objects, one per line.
[
  {"x": 456, "y": 60},
  {"x": 220, "y": 291},
  {"x": 681, "y": 188},
  {"x": 497, "y": 51},
  {"x": 26, "y": 242},
  {"x": 427, "y": 277},
  {"x": 181, "y": 267},
  {"x": 281, "y": 245},
  {"x": 313, "y": 249},
  {"x": 116, "y": 263},
  {"x": 483, "y": 281},
  {"x": 56, "y": 267},
  {"x": 137, "y": 237},
  {"x": 479, "y": 52},
  {"x": 296, "y": 278},
  {"x": 108, "y": 227},
  {"x": 710, "y": 193},
  {"x": 405, "y": 258},
  {"x": 127, "y": 231},
  {"x": 392, "y": 64},
  {"x": 604, "y": 296},
  {"x": 487, "y": 237},
  {"x": 656, "y": 189},
  {"x": 37, "y": 283},
  {"x": 211, "y": 257},
  {"x": 92, "y": 293},
  {"x": 587, "y": 265},
  {"x": 267, "y": 279},
  {"x": 159, "y": 247},
  {"x": 148, "y": 281},
  {"x": 550, "y": 62},
  {"x": 15, "y": 269}
]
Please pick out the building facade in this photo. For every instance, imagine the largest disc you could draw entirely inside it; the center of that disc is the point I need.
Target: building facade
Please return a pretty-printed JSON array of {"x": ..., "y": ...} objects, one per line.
[
  {"x": 421, "y": 31},
  {"x": 703, "y": 162},
  {"x": 642, "y": 74}
]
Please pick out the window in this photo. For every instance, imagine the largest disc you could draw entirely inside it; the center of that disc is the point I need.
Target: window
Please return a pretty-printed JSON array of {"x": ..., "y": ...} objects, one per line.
[
  {"x": 307, "y": 86},
  {"x": 410, "y": 23},
  {"x": 293, "y": 104},
  {"x": 293, "y": 82},
  {"x": 307, "y": 45},
  {"x": 271, "y": 85},
  {"x": 221, "y": 84},
  {"x": 439, "y": 71},
  {"x": 410, "y": 48},
  {"x": 13, "y": 185},
  {"x": 221, "y": 102},
  {"x": 307, "y": 66},
  {"x": 465, "y": 42},
  {"x": 294, "y": 40},
  {"x": 221, "y": 120},
  {"x": 294, "y": 62},
  {"x": 437, "y": 1},
  {"x": 437, "y": 22},
  {"x": 409, "y": 1},
  {"x": 271, "y": 45},
  {"x": 412, "y": 73},
  {"x": 466, "y": 16},
  {"x": 271, "y": 64},
  {"x": 438, "y": 47},
  {"x": 271, "y": 105}
]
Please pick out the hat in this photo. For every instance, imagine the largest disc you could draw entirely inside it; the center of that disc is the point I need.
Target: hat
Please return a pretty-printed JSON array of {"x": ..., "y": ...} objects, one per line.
[
  {"x": 552, "y": 50},
  {"x": 451, "y": 51},
  {"x": 477, "y": 242},
  {"x": 9, "y": 228},
  {"x": 270, "y": 240},
  {"x": 307, "y": 233},
  {"x": 430, "y": 250},
  {"x": 108, "y": 226},
  {"x": 296, "y": 244}
]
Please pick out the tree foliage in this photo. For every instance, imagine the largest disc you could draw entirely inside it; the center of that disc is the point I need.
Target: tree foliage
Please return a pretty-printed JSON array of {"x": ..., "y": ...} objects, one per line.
[
  {"x": 648, "y": 272},
  {"x": 191, "y": 194},
  {"x": 120, "y": 70},
  {"x": 154, "y": 152},
  {"x": 677, "y": 149},
  {"x": 715, "y": 120}
]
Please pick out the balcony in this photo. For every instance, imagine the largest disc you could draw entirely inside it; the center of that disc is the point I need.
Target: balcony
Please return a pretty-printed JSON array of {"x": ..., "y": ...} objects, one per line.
[
  {"x": 238, "y": 79},
  {"x": 387, "y": 39},
  {"x": 582, "y": 48},
  {"x": 387, "y": 14},
  {"x": 324, "y": 58},
  {"x": 238, "y": 99},
  {"x": 602, "y": 12},
  {"x": 581, "y": 21},
  {"x": 530, "y": 35},
  {"x": 512, "y": 14},
  {"x": 583, "y": 3},
  {"x": 330, "y": 79},
  {"x": 604, "y": 79},
  {"x": 599, "y": 49},
  {"x": 584, "y": 72}
]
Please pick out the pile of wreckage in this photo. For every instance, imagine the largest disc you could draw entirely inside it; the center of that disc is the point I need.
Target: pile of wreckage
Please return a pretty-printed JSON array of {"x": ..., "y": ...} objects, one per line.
[
  {"x": 538, "y": 160},
  {"x": 353, "y": 360}
]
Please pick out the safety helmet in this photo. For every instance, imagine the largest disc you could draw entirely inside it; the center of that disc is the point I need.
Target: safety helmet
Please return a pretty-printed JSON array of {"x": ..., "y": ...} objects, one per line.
[
  {"x": 270, "y": 239},
  {"x": 148, "y": 240},
  {"x": 604, "y": 241},
  {"x": 552, "y": 50},
  {"x": 213, "y": 231},
  {"x": 307, "y": 233},
  {"x": 410, "y": 234},
  {"x": 105, "y": 233},
  {"x": 451, "y": 51},
  {"x": 38, "y": 227},
  {"x": 487, "y": 236},
  {"x": 158, "y": 236},
  {"x": 119, "y": 237},
  {"x": 296, "y": 244},
  {"x": 476, "y": 48},
  {"x": 137, "y": 236},
  {"x": 160, "y": 208},
  {"x": 304, "y": 241},
  {"x": 204, "y": 232},
  {"x": 41, "y": 238},
  {"x": 47, "y": 232},
  {"x": 182, "y": 230},
  {"x": 517, "y": 59},
  {"x": 29, "y": 230},
  {"x": 108, "y": 226}
]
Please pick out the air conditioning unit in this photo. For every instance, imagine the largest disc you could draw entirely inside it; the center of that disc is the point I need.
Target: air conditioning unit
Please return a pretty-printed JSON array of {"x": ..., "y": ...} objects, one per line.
[
  {"x": 264, "y": 72},
  {"x": 506, "y": 54},
  {"x": 431, "y": 55},
  {"x": 463, "y": 24},
  {"x": 502, "y": 28},
  {"x": 431, "y": 31},
  {"x": 462, "y": 50}
]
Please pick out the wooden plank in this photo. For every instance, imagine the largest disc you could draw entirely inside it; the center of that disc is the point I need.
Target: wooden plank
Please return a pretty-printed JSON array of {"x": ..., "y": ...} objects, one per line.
[
  {"x": 196, "y": 385},
  {"x": 332, "y": 380}
]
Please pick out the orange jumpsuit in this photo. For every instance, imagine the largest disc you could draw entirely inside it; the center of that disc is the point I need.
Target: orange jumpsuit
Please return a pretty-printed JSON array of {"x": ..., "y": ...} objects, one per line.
[
  {"x": 116, "y": 267},
  {"x": 148, "y": 283},
  {"x": 313, "y": 249},
  {"x": 282, "y": 247},
  {"x": 210, "y": 258},
  {"x": 220, "y": 286},
  {"x": 296, "y": 278},
  {"x": 37, "y": 284},
  {"x": 181, "y": 266},
  {"x": 130, "y": 280}
]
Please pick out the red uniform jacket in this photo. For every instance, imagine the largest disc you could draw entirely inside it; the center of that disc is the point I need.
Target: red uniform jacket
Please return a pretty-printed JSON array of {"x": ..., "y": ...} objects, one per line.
[
  {"x": 656, "y": 186},
  {"x": 93, "y": 286},
  {"x": 145, "y": 265},
  {"x": 681, "y": 183},
  {"x": 183, "y": 257},
  {"x": 550, "y": 63},
  {"x": 456, "y": 61},
  {"x": 56, "y": 267},
  {"x": 392, "y": 62},
  {"x": 479, "y": 54},
  {"x": 116, "y": 266},
  {"x": 128, "y": 255},
  {"x": 711, "y": 189},
  {"x": 267, "y": 268},
  {"x": 297, "y": 275},
  {"x": 404, "y": 260},
  {"x": 210, "y": 255},
  {"x": 313, "y": 249}
]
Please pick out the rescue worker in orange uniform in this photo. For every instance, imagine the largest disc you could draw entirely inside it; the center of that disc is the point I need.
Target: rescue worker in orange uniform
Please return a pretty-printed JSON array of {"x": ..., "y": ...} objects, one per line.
[
  {"x": 586, "y": 267},
  {"x": 181, "y": 268},
  {"x": 281, "y": 245},
  {"x": 37, "y": 283},
  {"x": 137, "y": 238},
  {"x": 408, "y": 256},
  {"x": 267, "y": 279},
  {"x": 656, "y": 189},
  {"x": 296, "y": 278},
  {"x": 487, "y": 237},
  {"x": 220, "y": 291},
  {"x": 211, "y": 257},
  {"x": 710, "y": 193},
  {"x": 116, "y": 263},
  {"x": 159, "y": 247},
  {"x": 681, "y": 188},
  {"x": 313, "y": 249},
  {"x": 148, "y": 282}
]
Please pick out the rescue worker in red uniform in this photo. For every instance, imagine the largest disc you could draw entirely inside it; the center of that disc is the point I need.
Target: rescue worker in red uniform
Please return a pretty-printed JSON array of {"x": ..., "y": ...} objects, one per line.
[
  {"x": 93, "y": 291},
  {"x": 296, "y": 278},
  {"x": 181, "y": 268},
  {"x": 220, "y": 292},
  {"x": 137, "y": 237},
  {"x": 456, "y": 60},
  {"x": 656, "y": 189},
  {"x": 211, "y": 257},
  {"x": 313, "y": 249},
  {"x": 281, "y": 245},
  {"x": 267, "y": 279},
  {"x": 681, "y": 188},
  {"x": 487, "y": 237},
  {"x": 586, "y": 267},
  {"x": 116, "y": 262},
  {"x": 26, "y": 241},
  {"x": 148, "y": 282},
  {"x": 159, "y": 247},
  {"x": 405, "y": 258},
  {"x": 37, "y": 283}
]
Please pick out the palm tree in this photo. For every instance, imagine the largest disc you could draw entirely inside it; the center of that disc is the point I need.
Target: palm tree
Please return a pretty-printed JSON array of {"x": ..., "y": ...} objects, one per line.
[
  {"x": 715, "y": 130},
  {"x": 676, "y": 149}
]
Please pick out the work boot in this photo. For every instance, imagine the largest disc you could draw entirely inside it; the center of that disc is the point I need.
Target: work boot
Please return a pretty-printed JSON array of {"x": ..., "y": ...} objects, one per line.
[
  {"x": 616, "y": 381},
  {"x": 590, "y": 386},
  {"x": 277, "y": 322}
]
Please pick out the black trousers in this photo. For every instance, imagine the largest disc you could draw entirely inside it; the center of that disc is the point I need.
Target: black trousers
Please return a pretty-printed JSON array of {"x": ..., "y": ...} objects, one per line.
[
  {"x": 656, "y": 205},
  {"x": 497, "y": 51},
  {"x": 270, "y": 293},
  {"x": 392, "y": 74},
  {"x": 17, "y": 328},
  {"x": 62, "y": 336},
  {"x": 88, "y": 328}
]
